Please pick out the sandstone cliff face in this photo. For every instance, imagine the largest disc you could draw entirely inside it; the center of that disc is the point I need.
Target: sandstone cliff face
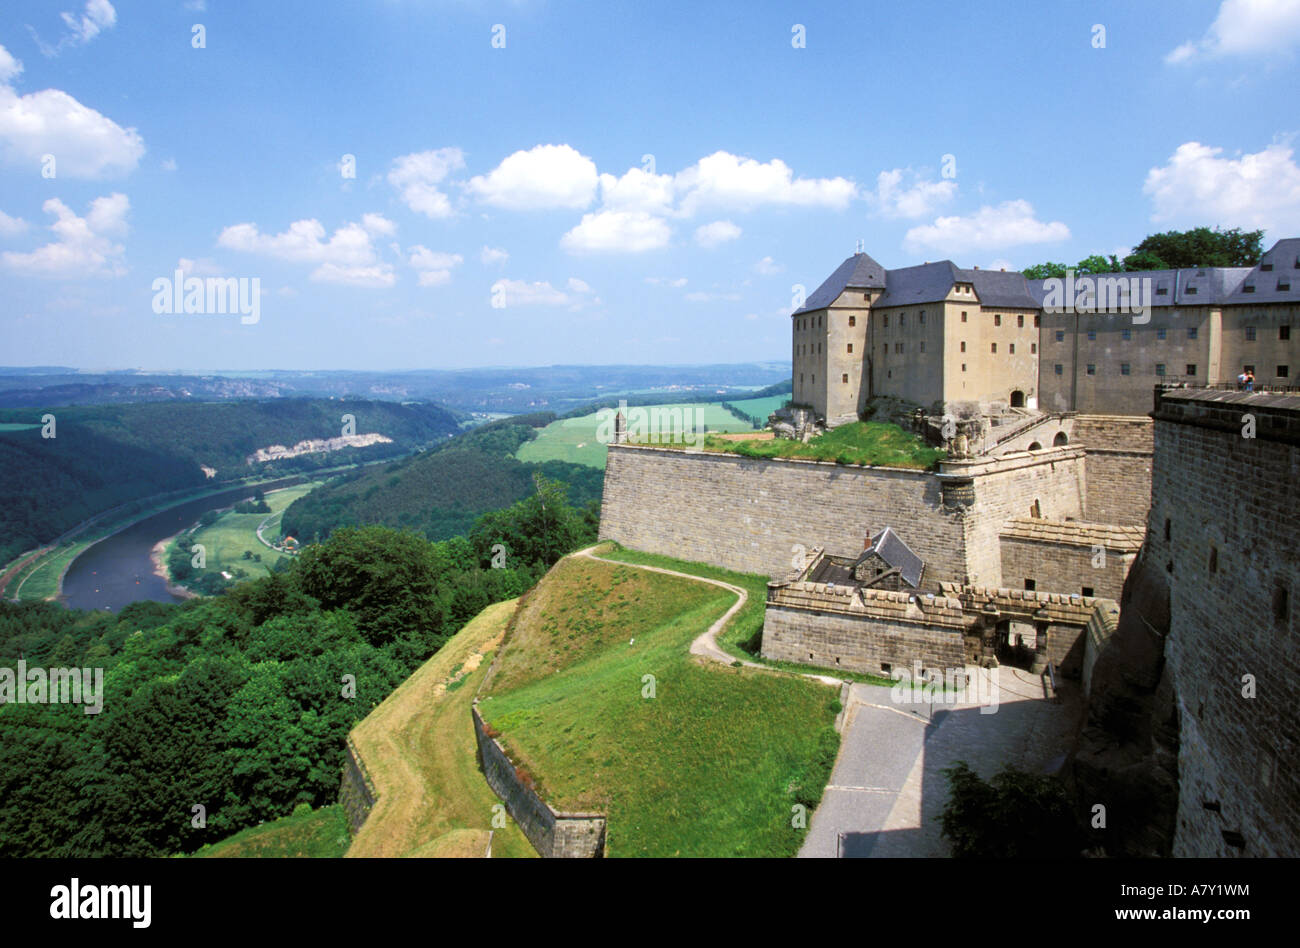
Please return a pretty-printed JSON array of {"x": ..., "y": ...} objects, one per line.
[{"x": 1126, "y": 757}]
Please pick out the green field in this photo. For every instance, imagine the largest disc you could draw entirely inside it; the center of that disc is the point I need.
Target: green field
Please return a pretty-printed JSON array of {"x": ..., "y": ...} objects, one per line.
[
  {"x": 575, "y": 439},
  {"x": 307, "y": 833},
  {"x": 871, "y": 443},
  {"x": 713, "y": 764},
  {"x": 225, "y": 541},
  {"x": 762, "y": 407}
]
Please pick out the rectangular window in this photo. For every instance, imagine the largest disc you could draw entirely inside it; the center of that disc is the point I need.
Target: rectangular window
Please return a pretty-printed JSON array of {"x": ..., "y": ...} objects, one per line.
[
  {"x": 922, "y": 317},
  {"x": 1060, "y": 335},
  {"x": 1162, "y": 290},
  {"x": 1191, "y": 368},
  {"x": 995, "y": 347},
  {"x": 1283, "y": 332},
  {"x": 1160, "y": 368},
  {"x": 1020, "y": 320},
  {"x": 1250, "y": 333},
  {"x": 1058, "y": 369},
  {"x": 850, "y": 347},
  {"x": 1030, "y": 585},
  {"x": 1191, "y": 332},
  {"x": 853, "y": 321},
  {"x": 886, "y": 321},
  {"x": 1126, "y": 334},
  {"x": 1265, "y": 267},
  {"x": 1033, "y": 348},
  {"x": 1013, "y": 348},
  {"x": 902, "y": 319},
  {"x": 1124, "y": 368},
  {"x": 963, "y": 316},
  {"x": 1092, "y": 369},
  {"x": 1284, "y": 284},
  {"x": 1161, "y": 333},
  {"x": 1036, "y": 322},
  {"x": 1283, "y": 371},
  {"x": 997, "y": 320},
  {"x": 1191, "y": 291},
  {"x": 1248, "y": 288},
  {"x": 963, "y": 366},
  {"x": 963, "y": 346},
  {"x": 845, "y": 378}
]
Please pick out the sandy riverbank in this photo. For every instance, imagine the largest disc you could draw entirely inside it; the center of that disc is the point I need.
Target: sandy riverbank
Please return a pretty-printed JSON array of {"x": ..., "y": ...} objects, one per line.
[{"x": 156, "y": 556}]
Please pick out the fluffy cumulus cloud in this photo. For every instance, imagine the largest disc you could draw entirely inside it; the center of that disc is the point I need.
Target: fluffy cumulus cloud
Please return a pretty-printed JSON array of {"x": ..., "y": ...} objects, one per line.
[
  {"x": 637, "y": 190},
  {"x": 81, "y": 28},
  {"x": 544, "y": 177},
  {"x": 11, "y": 226},
  {"x": 522, "y": 293},
  {"x": 716, "y": 233},
  {"x": 417, "y": 177},
  {"x": 493, "y": 255},
  {"x": 723, "y": 180},
  {"x": 1199, "y": 185},
  {"x": 1009, "y": 224},
  {"x": 617, "y": 231},
  {"x": 83, "y": 143},
  {"x": 1245, "y": 28},
  {"x": 348, "y": 257},
  {"x": 903, "y": 193},
  {"x": 83, "y": 246},
  {"x": 434, "y": 268}
]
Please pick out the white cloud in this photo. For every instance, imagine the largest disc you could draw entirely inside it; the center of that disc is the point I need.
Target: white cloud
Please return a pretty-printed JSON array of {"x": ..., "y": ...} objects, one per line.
[
  {"x": 417, "y": 175},
  {"x": 376, "y": 276},
  {"x": 546, "y": 176},
  {"x": 11, "y": 226},
  {"x": 493, "y": 255},
  {"x": 768, "y": 267},
  {"x": 919, "y": 198},
  {"x": 378, "y": 225},
  {"x": 1245, "y": 28},
  {"x": 1009, "y": 224},
  {"x": 730, "y": 181},
  {"x": 665, "y": 281},
  {"x": 169, "y": 164},
  {"x": 434, "y": 267},
  {"x": 196, "y": 6},
  {"x": 701, "y": 297},
  {"x": 617, "y": 231},
  {"x": 303, "y": 242},
  {"x": 84, "y": 143},
  {"x": 520, "y": 293},
  {"x": 98, "y": 16},
  {"x": 83, "y": 247},
  {"x": 203, "y": 267},
  {"x": 1197, "y": 185},
  {"x": 637, "y": 190},
  {"x": 718, "y": 232}
]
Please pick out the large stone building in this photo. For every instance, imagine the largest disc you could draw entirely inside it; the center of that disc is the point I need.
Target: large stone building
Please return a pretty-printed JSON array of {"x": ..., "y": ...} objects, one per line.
[{"x": 939, "y": 335}]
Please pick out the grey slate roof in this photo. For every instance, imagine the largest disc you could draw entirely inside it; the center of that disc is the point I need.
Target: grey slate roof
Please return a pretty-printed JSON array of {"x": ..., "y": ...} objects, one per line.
[
  {"x": 1284, "y": 257},
  {"x": 858, "y": 270},
  {"x": 897, "y": 555}
]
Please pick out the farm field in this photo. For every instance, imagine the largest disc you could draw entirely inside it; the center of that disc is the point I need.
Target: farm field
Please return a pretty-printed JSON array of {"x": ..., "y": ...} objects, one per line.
[
  {"x": 598, "y": 701},
  {"x": 225, "y": 541},
  {"x": 575, "y": 439}
]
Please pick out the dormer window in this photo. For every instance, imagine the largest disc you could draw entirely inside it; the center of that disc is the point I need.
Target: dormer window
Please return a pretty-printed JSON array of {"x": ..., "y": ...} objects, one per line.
[
  {"x": 1265, "y": 267},
  {"x": 1191, "y": 291},
  {"x": 1284, "y": 284},
  {"x": 1162, "y": 290},
  {"x": 1248, "y": 288}
]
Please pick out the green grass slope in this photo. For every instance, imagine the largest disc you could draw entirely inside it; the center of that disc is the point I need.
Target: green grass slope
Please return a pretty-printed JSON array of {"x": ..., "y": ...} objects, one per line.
[
  {"x": 711, "y": 765},
  {"x": 306, "y": 833}
]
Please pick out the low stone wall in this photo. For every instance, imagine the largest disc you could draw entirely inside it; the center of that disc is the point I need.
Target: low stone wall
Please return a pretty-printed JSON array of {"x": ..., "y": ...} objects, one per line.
[
  {"x": 1118, "y": 466},
  {"x": 553, "y": 834},
  {"x": 357, "y": 790},
  {"x": 1062, "y": 557}
]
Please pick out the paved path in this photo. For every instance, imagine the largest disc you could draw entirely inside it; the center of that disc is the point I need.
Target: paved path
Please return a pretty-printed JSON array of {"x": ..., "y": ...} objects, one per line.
[{"x": 887, "y": 788}]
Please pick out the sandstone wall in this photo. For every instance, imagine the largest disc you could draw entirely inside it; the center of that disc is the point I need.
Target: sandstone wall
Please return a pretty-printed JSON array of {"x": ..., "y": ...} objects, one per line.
[
  {"x": 1118, "y": 466},
  {"x": 356, "y": 791},
  {"x": 1064, "y": 568},
  {"x": 560, "y": 835},
  {"x": 1223, "y": 527}
]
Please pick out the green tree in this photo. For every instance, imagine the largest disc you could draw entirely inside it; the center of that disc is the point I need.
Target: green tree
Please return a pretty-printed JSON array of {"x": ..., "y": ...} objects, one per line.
[
  {"x": 1203, "y": 247},
  {"x": 1016, "y": 815},
  {"x": 1043, "y": 271}
]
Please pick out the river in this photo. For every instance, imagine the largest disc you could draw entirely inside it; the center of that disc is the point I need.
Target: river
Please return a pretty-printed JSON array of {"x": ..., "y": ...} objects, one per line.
[{"x": 118, "y": 570}]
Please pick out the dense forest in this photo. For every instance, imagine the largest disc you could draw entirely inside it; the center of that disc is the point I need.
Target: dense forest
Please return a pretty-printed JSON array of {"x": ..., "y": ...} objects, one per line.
[
  {"x": 103, "y": 456},
  {"x": 440, "y": 492},
  {"x": 240, "y": 704}
]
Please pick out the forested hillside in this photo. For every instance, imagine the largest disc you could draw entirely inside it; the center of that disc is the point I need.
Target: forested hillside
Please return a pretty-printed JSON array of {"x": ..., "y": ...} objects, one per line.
[
  {"x": 240, "y": 704},
  {"x": 102, "y": 456},
  {"x": 440, "y": 492}
]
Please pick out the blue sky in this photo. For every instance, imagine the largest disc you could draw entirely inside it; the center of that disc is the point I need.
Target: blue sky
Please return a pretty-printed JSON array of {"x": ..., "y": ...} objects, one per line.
[{"x": 594, "y": 183}]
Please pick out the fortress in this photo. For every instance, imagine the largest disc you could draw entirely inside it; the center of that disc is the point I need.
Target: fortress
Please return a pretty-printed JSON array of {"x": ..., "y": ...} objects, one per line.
[{"x": 1150, "y": 554}]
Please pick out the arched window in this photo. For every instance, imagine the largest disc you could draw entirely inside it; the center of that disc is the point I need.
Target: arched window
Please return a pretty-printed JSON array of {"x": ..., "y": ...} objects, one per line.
[
  {"x": 1060, "y": 439},
  {"x": 1035, "y": 446},
  {"x": 1017, "y": 397}
]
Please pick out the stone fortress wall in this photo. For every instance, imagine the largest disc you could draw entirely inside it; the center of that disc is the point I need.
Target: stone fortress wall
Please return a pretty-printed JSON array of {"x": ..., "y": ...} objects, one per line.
[{"x": 1222, "y": 531}]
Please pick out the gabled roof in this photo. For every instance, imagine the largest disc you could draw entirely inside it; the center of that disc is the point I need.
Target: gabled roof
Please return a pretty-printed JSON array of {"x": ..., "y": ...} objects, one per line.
[
  {"x": 859, "y": 271},
  {"x": 896, "y": 554},
  {"x": 1284, "y": 259},
  {"x": 925, "y": 283}
]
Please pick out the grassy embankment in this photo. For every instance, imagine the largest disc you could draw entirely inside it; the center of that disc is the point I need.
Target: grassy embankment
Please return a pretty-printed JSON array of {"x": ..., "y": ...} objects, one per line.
[
  {"x": 419, "y": 748},
  {"x": 574, "y": 439},
  {"x": 870, "y": 443},
  {"x": 711, "y": 765},
  {"x": 307, "y": 833}
]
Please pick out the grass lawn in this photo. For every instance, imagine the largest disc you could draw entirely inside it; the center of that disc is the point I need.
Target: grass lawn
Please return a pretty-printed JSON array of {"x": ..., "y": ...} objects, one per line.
[
  {"x": 319, "y": 834},
  {"x": 742, "y": 636},
  {"x": 872, "y": 443},
  {"x": 711, "y": 765},
  {"x": 419, "y": 749},
  {"x": 574, "y": 439}
]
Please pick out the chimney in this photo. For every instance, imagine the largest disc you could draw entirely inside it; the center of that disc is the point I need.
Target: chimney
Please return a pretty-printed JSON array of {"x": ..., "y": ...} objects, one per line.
[
  {"x": 977, "y": 267},
  {"x": 1004, "y": 269},
  {"x": 866, "y": 542}
]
